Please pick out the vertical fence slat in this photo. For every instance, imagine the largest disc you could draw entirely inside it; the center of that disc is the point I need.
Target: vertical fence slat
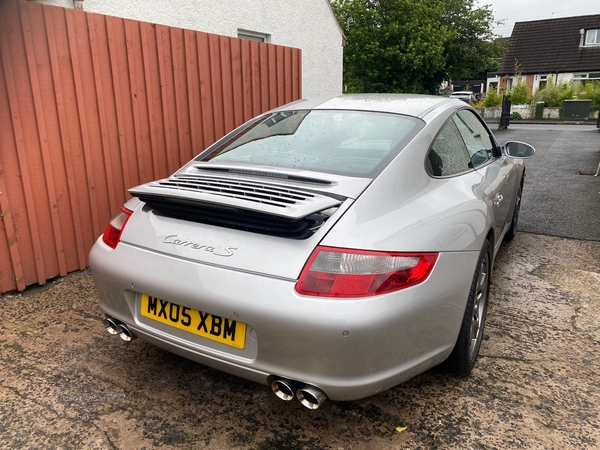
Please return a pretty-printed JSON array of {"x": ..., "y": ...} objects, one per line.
[
  {"x": 82, "y": 113},
  {"x": 288, "y": 75},
  {"x": 65, "y": 142},
  {"x": 108, "y": 173},
  {"x": 178, "y": 82},
  {"x": 134, "y": 100},
  {"x": 11, "y": 237},
  {"x": 246, "y": 65},
  {"x": 227, "y": 85},
  {"x": 114, "y": 64},
  {"x": 272, "y": 67},
  {"x": 280, "y": 75},
  {"x": 205, "y": 88},
  {"x": 297, "y": 77},
  {"x": 43, "y": 141},
  {"x": 13, "y": 104},
  {"x": 237, "y": 82},
  {"x": 263, "y": 63},
  {"x": 150, "y": 93},
  {"x": 161, "y": 47},
  {"x": 216, "y": 84},
  {"x": 190, "y": 60}
]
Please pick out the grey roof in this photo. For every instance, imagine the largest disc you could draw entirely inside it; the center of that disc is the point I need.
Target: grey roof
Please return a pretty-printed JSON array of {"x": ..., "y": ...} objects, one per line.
[
  {"x": 551, "y": 46},
  {"x": 410, "y": 104}
]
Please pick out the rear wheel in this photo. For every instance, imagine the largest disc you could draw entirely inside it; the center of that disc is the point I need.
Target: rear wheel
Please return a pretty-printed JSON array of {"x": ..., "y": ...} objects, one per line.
[
  {"x": 510, "y": 234},
  {"x": 463, "y": 357}
]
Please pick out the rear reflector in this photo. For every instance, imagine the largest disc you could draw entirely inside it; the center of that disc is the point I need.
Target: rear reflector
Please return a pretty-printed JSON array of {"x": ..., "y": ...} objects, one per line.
[
  {"x": 112, "y": 233},
  {"x": 336, "y": 272}
]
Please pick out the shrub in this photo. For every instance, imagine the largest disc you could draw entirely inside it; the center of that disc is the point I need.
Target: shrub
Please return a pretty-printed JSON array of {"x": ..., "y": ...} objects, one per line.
[
  {"x": 515, "y": 116},
  {"x": 519, "y": 94},
  {"x": 591, "y": 90},
  {"x": 492, "y": 99},
  {"x": 554, "y": 95}
]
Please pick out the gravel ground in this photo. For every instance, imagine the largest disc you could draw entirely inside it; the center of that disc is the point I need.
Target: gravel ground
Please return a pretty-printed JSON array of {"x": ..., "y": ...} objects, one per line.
[{"x": 65, "y": 383}]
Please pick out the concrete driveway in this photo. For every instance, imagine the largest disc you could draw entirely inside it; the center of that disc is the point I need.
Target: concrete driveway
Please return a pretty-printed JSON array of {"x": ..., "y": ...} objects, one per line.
[{"x": 65, "y": 383}]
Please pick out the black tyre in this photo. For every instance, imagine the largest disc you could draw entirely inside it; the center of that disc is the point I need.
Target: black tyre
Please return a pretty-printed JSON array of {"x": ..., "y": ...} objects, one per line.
[
  {"x": 463, "y": 357},
  {"x": 510, "y": 234}
]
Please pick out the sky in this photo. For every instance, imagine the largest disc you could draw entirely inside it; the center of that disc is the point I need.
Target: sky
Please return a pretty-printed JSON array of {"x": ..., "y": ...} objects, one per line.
[{"x": 512, "y": 11}]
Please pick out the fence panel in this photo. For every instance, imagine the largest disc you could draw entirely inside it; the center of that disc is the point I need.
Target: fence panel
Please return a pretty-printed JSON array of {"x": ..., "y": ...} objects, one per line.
[{"x": 92, "y": 105}]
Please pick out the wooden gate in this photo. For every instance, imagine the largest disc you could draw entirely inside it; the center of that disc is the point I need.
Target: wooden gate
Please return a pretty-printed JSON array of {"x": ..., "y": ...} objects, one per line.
[{"x": 91, "y": 105}]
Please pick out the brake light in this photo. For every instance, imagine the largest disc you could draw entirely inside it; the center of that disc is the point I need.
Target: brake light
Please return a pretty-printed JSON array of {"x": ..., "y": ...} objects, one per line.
[
  {"x": 112, "y": 233},
  {"x": 336, "y": 272}
]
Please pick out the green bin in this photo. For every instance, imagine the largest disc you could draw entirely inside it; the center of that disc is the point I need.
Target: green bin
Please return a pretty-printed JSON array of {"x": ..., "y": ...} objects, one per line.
[
  {"x": 539, "y": 110},
  {"x": 577, "y": 109}
]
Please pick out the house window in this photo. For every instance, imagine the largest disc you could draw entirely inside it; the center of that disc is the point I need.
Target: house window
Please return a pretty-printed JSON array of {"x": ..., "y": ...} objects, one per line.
[
  {"x": 583, "y": 78},
  {"x": 253, "y": 36},
  {"x": 592, "y": 37},
  {"x": 543, "y": 81}
]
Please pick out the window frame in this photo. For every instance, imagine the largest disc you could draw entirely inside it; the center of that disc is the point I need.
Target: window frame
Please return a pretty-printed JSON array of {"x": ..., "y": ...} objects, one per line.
[
  {"x": 253, "y": 36},
  {"x": 596, "y": 42},
  {"x": 496, "y": 152}
]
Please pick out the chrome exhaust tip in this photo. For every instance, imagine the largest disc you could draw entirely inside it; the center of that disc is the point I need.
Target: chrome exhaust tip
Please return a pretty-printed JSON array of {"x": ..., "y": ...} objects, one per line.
[
  {"x": 125, "y": 333},
  {"x": 284, "y": 389},
  {"x": 111, "y": 325},
  {"x": 311, "y": 397}
]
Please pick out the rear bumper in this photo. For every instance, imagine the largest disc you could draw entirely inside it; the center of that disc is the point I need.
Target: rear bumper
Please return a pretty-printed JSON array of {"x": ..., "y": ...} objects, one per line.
[{"x": 350, "y": 349}]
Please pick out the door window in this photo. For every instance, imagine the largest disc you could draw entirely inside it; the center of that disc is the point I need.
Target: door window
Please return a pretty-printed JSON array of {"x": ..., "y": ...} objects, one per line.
[
  {"x": 476, "y": 136},
  {"x": 448, "y": 154}
]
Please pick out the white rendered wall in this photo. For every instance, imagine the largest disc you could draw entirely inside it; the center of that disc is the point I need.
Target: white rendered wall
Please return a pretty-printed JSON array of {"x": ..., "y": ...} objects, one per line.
[{"x": 306, "y": 24}]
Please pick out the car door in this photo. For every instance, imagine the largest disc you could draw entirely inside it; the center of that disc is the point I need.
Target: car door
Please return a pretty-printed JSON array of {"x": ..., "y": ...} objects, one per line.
[{"x": 496, "y": 168}]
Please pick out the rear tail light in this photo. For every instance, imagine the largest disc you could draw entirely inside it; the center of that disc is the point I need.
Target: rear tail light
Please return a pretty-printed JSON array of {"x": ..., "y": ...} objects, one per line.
[
  {"x": 112, "y": 233},
  {"x": 336, "y": 272}
]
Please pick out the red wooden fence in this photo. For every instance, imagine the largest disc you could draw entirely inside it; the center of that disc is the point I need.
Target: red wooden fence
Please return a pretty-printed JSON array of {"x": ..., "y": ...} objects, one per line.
[{"x": 91, "y": 105}]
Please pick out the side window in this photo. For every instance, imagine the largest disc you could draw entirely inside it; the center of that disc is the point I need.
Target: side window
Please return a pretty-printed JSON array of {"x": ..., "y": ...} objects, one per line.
[
  {"x": 448, "y": 154},
  {"x": 474, "y": 133}
]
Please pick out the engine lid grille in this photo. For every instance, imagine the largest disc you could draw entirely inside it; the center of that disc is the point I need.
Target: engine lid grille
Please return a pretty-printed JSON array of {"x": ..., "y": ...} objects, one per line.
[{"x": 258, "y": 207}]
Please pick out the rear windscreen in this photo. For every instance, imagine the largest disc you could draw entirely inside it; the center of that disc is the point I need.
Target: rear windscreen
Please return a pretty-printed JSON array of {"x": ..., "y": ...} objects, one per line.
[{"x": 343, "y": 142}]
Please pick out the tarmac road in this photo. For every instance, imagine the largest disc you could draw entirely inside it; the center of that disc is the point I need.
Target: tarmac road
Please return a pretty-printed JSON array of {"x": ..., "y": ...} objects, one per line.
[
  {"x": 66, "y": 384},
  {"x": 561, "y": 197}
]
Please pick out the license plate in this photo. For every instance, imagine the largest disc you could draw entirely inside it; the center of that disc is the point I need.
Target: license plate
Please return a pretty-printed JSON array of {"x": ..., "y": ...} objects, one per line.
[{"x": 219, "y": 329}]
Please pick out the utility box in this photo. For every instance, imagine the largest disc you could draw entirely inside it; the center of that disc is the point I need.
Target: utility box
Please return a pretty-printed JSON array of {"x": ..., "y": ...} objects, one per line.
[
  {"x": 539, "y": 110},
  {"x": 577, "y": 109}
]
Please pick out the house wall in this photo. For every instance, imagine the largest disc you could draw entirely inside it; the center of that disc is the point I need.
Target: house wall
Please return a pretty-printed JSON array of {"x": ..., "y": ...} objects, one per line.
[
  {"x": 92, "y": 105},
  {"x": 306, "y": 24}
]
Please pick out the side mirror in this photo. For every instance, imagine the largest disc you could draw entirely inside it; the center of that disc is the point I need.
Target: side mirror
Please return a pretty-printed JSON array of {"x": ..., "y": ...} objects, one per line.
[{"x": 519, "y": 150}]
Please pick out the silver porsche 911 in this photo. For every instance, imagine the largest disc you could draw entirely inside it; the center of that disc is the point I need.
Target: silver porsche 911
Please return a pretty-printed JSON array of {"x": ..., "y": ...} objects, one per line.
[{"x": 330, "y": 248}]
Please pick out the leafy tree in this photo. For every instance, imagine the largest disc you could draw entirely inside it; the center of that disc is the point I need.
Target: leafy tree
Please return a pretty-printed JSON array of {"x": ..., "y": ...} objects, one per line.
[
  {"x": 472, "y": 50},
  {"x": 413, "y": 45}
]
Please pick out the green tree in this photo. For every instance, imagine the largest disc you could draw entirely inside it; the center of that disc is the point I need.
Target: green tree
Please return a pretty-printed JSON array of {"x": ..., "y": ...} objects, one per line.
[
  {"x": 393, "y": 45},
  {"x": 472, "y": 50},
  {"x": 413, "y": 45}
]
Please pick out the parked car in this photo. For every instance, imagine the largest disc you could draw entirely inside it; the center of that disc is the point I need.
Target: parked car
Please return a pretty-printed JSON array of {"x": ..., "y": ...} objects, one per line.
[
  {"x": 465, "y": 96},
  {"x": 329, "y": 248}
]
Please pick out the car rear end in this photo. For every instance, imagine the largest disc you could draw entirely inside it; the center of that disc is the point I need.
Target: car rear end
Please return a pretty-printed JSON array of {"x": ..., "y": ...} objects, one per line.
[{"x": 224, "y": 263}]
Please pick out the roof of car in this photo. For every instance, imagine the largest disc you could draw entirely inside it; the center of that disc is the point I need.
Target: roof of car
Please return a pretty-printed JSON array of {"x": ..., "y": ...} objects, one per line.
[{"x": 410, "y": 104}]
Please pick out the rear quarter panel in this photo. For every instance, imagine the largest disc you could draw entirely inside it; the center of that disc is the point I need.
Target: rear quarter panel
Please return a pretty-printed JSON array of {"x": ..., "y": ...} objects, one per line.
[{"x": 405, "y": 209}]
